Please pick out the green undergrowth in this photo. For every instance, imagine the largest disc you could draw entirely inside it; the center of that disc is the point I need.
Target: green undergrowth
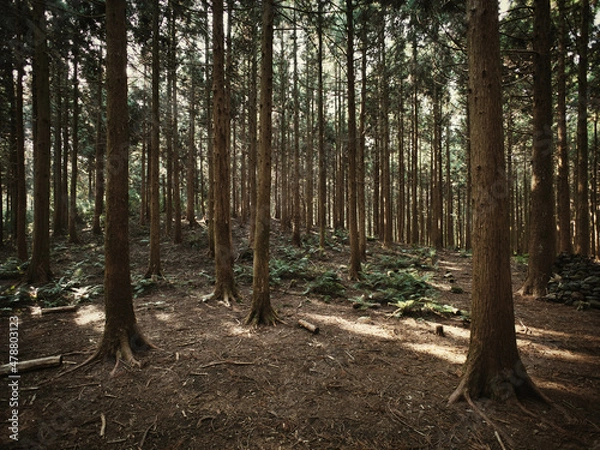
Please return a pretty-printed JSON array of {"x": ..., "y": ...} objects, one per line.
[{"x": 401, "y": 281}]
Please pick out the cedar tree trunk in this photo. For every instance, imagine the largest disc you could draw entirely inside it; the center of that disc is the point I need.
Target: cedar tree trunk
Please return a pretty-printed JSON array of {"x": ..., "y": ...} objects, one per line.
[
  {"x": 542, "y": 225},
  {"x": 121, "y": 337},
  {"x": 261, "y": 310},
  {"x": 493, "y": 368}
]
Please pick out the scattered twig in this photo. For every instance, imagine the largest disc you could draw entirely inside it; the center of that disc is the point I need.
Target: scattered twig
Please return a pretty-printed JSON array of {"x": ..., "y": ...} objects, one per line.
[
  {"x": 499, "y": 440},
  {"x": 103, "y": 424},
  {"x": 153, "y": 424},
  {"x": 397, "y": 415},
  {"x": 227, "y": 361}
]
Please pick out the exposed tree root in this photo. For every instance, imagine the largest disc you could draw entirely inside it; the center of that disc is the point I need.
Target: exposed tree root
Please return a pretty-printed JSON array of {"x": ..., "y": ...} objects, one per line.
[
  {"x": 499, "y": 430},
  {"x": 224, "y": 296},
  {"x": 122, "y": 349},
  {"x": 258, "y": 317}
]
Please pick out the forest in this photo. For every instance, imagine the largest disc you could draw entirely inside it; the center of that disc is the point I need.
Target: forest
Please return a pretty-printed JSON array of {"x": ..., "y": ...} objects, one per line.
[{"x": 304, "y": 224}]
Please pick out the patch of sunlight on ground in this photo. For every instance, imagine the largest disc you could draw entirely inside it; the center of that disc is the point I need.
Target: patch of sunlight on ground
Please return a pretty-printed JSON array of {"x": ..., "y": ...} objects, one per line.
[
  {"x": 366, "y": 329},
  {"x": 449, "y": 354},
  {"x": 557, "y": 335},
  {"x": 90, "y": 315},
  {"x": 237, "y": 329}
]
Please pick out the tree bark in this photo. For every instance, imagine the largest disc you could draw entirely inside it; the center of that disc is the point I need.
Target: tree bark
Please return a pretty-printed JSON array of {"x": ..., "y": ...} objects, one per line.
[
  {"x": 296, "y": 216},
  {"x": 99, "y": 158},
  {"x": 354, "y": 267},
  {"x": 154, "y": 266},
  {"x": 542, "y": 225},
  {"x": 582, "y": 216},
  {"x": 21, "y": 188},
  {"x": 563, "y": 204},
  {"x": 360, "y": 154},
  {"x": 261, "y": 312},
  {"x": 321, "y": 206},
  {"x": 225, "y": 288},
  {"x": 39, "y": 267},
  {"x": 493, "y": 367},
  {"x": 73, "y": 238},
  {"x": 121, "y": 337}
]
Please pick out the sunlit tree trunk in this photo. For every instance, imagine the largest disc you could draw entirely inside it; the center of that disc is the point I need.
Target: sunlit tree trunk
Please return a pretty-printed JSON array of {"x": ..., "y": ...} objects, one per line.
[
  {"x": 261, "y": 312},
  {"x": 493, "y": 367}
]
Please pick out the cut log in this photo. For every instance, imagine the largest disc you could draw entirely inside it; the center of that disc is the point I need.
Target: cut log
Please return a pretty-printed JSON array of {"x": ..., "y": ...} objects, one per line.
[
  {"x": 31, "y": 365},
  {"x": 37, "y": 311},
  {"x": 309, "y": 326}
]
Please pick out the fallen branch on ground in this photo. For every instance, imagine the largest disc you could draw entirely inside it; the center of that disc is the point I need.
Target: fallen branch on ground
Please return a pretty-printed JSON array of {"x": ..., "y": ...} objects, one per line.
[{"x": 31, "y": 365}]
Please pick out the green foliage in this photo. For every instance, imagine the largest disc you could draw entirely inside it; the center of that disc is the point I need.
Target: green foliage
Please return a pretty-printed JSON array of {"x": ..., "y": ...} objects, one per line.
[
  {"x": 394, "y": 286},
  {"x": 142, "y": 286},
  {"x": 522, "y": 259},
  {"x": 327, "y": 284},
  {"x": 71, "y": 288},
  {"x": 11, "y": 269},
  {"x": 422, "y": 307}
]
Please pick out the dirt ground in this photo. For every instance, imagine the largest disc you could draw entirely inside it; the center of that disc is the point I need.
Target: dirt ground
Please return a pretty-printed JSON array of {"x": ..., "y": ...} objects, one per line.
[{"x": 365, "y": 381}]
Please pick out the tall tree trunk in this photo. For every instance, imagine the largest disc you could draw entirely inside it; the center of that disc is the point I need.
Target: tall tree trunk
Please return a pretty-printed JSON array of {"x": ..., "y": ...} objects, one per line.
[
  {"x": 360, "y": 152},
  {"x": 450, "y": 241},
  {"x": 225, "y": 288},
  {"x": 73, "y": 216},
  {"x": 414, "y": 157},
  {"x": 99, "y": 158},
  {"x": 21, "y": 189},
  {"x": 354, "y": 268},
  {"x": 386, "y": 188},
  {"x": 321, "y": 131},
  {"x": 121, "y": 337},
  {"x": 210, "y": 207},
  {"x": 296, "y": 203},
  {"x": 542, "y": 225},
  {"x": 253, "y": 131},
  {"x": 493, "y": 368},
  {"x": 39, "y": 267},
  {"x": 175, "y": 132},
  {"x": 582, "y": 224},
  {"x": 563, "y": 204},
  {"x": 60, "y": 200},
  {"x": 436, "y": 213},
  {"x": 190, "y": 170},
  {"x": 154, "y": 269},
  {"x": 261, "y": 311},
  {"x": 309, "y": 161}
]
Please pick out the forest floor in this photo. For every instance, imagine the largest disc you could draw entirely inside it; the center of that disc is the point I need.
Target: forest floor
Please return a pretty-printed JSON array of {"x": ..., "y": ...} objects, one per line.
[{"x": 368, "y": 379}]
